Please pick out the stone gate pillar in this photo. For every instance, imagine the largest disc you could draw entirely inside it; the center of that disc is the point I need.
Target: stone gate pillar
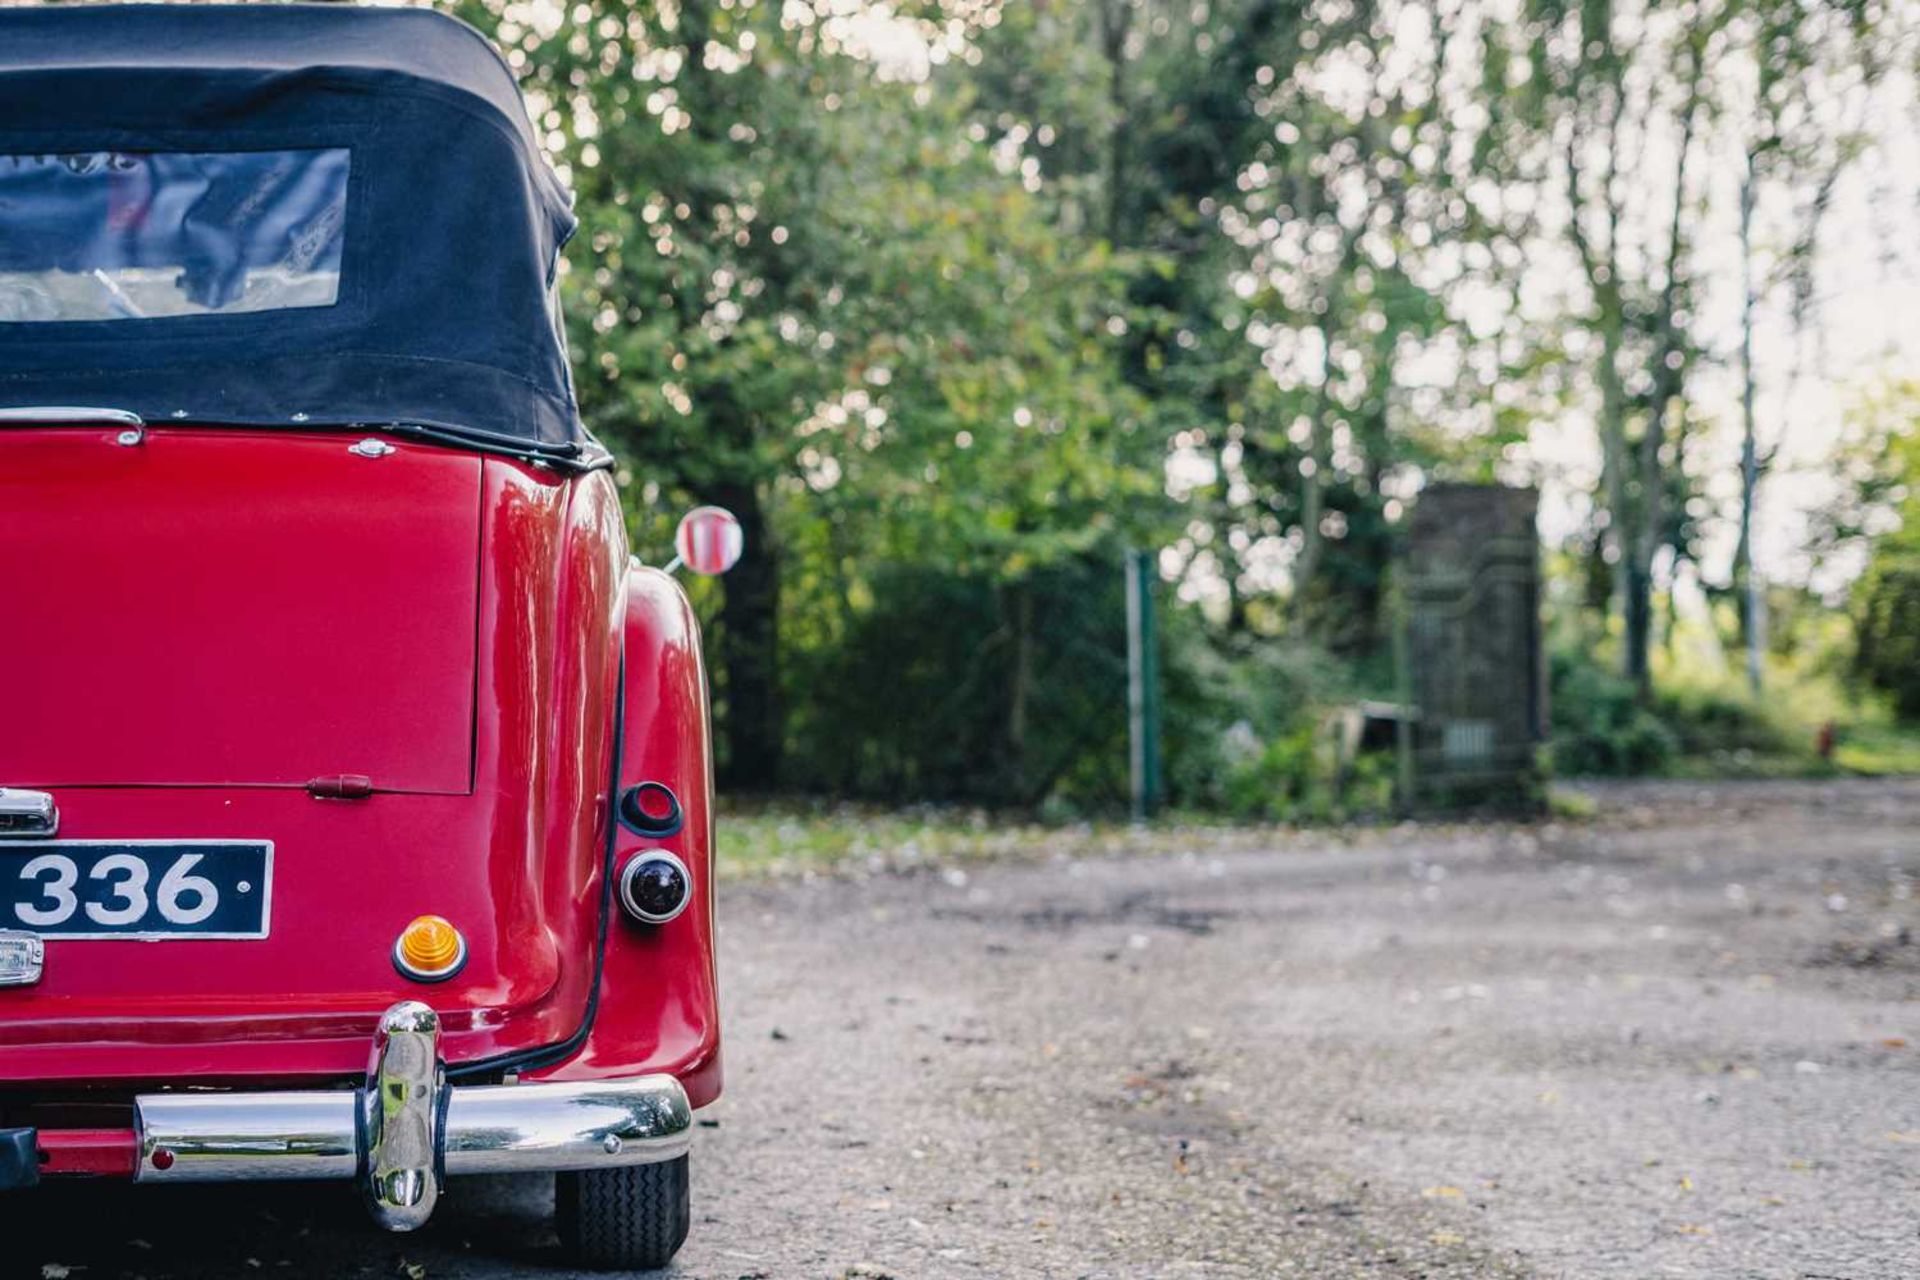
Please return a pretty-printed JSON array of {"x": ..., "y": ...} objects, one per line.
[{"x": 1475, "y": 652}]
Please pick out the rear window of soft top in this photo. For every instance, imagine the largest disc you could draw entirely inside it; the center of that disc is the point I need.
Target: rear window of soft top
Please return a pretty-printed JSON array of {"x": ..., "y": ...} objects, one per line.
[{"x": 137, "y": 235}]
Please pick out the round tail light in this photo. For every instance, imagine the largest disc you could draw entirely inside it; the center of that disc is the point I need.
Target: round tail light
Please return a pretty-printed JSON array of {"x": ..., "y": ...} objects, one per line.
[{"x": 655, "y": 886}]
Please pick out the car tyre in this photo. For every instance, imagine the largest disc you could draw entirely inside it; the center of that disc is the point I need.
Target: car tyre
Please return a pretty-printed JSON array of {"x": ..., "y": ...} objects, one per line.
[{"x": 629, "y": 1219}]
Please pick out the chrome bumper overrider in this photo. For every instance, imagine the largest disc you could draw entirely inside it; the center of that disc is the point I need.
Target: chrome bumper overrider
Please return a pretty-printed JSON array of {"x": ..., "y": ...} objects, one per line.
[{"x": 407, "y": 1128}]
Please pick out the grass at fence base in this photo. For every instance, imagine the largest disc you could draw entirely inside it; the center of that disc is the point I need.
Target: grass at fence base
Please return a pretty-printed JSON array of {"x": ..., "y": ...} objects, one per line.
[
  {"x": 794, "y": 837},
  {"x": 774, "y": 838},
  {"x": 1879, "y": 749}
]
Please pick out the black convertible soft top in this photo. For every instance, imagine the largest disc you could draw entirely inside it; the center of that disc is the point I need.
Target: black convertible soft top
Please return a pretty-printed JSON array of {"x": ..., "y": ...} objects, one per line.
[{"x": 279, "y": 215}]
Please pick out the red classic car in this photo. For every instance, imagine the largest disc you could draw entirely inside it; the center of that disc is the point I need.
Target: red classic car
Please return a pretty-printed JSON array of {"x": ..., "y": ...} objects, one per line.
[{"x": 355, "y": 790}]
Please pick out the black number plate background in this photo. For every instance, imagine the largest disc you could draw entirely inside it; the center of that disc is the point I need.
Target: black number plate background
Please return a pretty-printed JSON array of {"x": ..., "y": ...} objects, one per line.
[{"x": 137, "y": 888}]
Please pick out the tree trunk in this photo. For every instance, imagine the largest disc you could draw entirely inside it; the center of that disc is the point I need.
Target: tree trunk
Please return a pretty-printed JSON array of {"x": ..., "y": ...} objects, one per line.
[
  {"x": 1600, "y": 263},
  {"x": 1312, "y": 507},
  {"x": 1313, "y": 471},
  {"x": 1020, "y": 686},
  {"x": 749, "y": 649},
  {"x": 1116, "y": 17},
  {"x": 1745, "y": 581},
  {"x": 1646, "y": 547},
  {"x": 1223, "y": 524},
  {"x": 1616, "y": 552},
  {"x": 1669, "y": 365}
]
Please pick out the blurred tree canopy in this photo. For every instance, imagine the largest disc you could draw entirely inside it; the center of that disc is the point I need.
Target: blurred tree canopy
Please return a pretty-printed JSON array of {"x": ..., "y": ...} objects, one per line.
[
  {"x": 952, "y": 300},
  {"x": 1878, "y": 519}
]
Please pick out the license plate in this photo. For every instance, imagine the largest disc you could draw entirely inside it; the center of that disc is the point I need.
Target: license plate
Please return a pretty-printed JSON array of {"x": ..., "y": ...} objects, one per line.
[{"x": 137, "y": 888}]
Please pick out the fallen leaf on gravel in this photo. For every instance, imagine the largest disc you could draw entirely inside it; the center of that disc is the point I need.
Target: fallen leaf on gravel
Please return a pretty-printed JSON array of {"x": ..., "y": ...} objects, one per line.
[
  {"x": 1686, "y": 1184},
  {"x": 1448, "y": 1237},
  {"x": 1893, "y": 1042},
  {"x": 1443, "y": 1193},
  {"x": 1694, "y": 1229},
  {"x": 1904, "y": 1136}
]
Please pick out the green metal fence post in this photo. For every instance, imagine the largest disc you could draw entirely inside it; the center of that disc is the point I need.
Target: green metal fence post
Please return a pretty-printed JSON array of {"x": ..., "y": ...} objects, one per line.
[
  {"x": 1400, "y": 621},
  {"x": 1143, "y": 686}
]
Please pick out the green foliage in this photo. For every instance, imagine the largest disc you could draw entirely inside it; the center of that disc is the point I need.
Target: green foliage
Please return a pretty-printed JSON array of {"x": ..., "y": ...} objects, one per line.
[
  {"x": 1599, "y": 726},
  {"x": 1721, "y": 719},
  {"x": 800, "y": 289},
  {"x": 1229, "y": 280},
  {"x": 1247, "y": 729},
  {"x": 1705, "y": 722},
  {"x": 1889, "y": 628},
  {"x": 1879, "y": 748},
  {"x": 1885, "y": 498},
  {"x": 1274, "y": 781},
  {"x": 911, "y": 700}
]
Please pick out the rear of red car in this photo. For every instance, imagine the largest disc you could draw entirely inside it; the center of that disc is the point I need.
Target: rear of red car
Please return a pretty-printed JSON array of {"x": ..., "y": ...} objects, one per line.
[
  {"x": 354, "y": 787},
  {"x": 291, "y": 692}
]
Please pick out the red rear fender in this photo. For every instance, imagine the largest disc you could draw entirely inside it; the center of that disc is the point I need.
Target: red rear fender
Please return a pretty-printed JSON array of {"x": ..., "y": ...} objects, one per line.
[{"x": 657, "y": 1008}]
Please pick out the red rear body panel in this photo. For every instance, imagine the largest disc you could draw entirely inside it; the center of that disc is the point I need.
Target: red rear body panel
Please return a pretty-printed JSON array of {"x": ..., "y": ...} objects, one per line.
[{"x": 220, "y": 616}]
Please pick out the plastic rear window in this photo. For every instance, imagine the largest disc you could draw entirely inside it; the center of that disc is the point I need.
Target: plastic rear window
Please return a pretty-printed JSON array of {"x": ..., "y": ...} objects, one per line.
[{"x": 123, "y": 235}]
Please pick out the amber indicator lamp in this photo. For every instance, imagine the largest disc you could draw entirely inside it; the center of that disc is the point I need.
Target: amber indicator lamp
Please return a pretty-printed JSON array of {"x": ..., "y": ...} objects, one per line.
[{"x": 430, "y": 949}]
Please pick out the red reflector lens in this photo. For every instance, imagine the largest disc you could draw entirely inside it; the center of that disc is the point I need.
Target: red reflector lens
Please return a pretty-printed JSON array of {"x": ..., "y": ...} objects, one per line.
[{"x": 651, "y": 809}]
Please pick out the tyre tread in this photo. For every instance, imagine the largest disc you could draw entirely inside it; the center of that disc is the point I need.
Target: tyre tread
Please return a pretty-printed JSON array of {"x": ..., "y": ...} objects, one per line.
[{"x": 630, "y": 1218}]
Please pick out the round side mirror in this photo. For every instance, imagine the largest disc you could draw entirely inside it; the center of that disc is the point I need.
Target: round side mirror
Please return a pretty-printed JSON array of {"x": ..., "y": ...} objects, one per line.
[{"x": 709, "y": 540}]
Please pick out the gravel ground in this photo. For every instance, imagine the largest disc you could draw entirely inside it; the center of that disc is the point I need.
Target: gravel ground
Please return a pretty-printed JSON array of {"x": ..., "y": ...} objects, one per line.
[{"x": 1680, "y": 1040}]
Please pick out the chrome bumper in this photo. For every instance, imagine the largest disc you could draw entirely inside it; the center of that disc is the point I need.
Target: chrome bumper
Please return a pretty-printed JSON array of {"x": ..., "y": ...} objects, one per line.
[{"x": 407, "y": 1128}]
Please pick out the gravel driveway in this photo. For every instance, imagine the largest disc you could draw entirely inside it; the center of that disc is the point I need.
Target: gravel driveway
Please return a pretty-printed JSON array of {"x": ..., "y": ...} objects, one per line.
[{"x": 1680, "y": 1040}]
